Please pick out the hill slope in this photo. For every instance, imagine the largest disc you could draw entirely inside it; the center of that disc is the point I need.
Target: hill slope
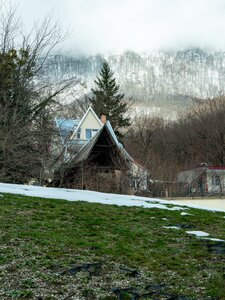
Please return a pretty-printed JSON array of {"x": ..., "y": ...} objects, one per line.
[
  {"x": 53, "y": 249},
  {"x": 157, "y": 79}
]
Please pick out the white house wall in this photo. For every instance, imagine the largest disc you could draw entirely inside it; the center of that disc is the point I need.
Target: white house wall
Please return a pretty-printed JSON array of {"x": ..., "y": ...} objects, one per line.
[
  {"x": 216, "y": 188},
  {"x": 89, "y": 122},
  {"x": 140, "y": 175}
]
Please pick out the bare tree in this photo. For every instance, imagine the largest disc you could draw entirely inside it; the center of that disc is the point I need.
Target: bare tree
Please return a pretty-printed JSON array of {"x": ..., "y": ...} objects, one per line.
[
  {"x": 167, "y": 148},
  {"x": 26, "y": 97}
]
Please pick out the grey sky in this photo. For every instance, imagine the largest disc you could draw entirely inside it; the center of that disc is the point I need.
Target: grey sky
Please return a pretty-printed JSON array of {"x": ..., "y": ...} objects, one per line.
[{"x": 139, "y": 25}]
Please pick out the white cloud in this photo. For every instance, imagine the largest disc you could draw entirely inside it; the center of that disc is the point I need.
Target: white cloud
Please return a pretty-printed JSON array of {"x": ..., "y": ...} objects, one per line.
[{"x": 140, "y": 25}]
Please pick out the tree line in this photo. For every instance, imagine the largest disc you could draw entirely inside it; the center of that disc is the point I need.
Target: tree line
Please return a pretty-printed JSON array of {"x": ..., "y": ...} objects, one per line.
[{"x": 167, "y": 147}]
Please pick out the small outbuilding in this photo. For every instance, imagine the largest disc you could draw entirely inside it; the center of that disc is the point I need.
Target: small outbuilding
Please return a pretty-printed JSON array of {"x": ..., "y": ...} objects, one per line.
[{"x": 202, "y": 181}]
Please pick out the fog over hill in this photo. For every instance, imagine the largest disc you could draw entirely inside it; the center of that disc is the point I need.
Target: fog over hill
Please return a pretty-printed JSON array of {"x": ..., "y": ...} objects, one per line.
[{"x": 161, "y": 82}]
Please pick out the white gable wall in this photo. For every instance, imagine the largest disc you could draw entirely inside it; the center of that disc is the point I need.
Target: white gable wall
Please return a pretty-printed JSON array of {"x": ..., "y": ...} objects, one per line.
[{"x": 90, "y": 122}]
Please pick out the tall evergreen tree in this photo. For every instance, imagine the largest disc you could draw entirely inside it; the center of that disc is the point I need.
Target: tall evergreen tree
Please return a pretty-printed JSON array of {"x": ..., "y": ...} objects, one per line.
[{"x": 107, "y": 99}]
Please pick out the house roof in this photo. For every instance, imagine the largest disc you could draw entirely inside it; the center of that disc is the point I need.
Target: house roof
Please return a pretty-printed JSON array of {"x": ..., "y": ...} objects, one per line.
[
  {"x": 85, "y": 151},
  {"x": 69, "y": 127},
  {"x": 119, "y": 145},
  {"x": 109, "y": 127},
  {"x": 215, "y": 168},
  {"x": 66, "y": 127},
  {"x": 83, "y": 154}
]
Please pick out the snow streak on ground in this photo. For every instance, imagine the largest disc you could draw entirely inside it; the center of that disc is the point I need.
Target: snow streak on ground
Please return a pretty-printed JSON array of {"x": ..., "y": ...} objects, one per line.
[
  {"x": 213, "y": 239},
  {"x": 171, "y": 227},
  {"x": 185, "y": 214},
  {"x": 103, "y": 198},
  {"x": 89, "y": 196},
  {"x": 198, "y": 233}
]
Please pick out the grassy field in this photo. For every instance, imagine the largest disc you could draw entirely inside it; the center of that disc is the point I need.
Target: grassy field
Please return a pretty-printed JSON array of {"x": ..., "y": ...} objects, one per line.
[{"x": 54, "y": 249}]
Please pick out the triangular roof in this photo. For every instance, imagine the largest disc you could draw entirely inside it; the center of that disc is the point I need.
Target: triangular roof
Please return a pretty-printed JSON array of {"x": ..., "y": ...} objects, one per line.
[
  {"x": 90, "y": 109},
  {"x": 85, "y": 151}
]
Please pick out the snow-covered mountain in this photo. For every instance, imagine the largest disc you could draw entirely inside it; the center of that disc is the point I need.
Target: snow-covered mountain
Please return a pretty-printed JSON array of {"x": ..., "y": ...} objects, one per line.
[{"x": 159, "y": 80}]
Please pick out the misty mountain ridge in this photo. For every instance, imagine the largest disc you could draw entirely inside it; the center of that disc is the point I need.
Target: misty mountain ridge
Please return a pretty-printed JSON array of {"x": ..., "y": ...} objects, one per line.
[{"x": 160, "y": 83}]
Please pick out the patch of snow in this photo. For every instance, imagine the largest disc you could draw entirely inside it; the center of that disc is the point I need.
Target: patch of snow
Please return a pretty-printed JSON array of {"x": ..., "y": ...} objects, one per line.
[
  {"x": 213, "y": 239},
  {"x": 97, "y": 197},
  {"x": 185, "y": 214},
  {"x": 171, "y": 227},
  {"x": 198, "y": 233},
  {"x": 89, "y": 196}
]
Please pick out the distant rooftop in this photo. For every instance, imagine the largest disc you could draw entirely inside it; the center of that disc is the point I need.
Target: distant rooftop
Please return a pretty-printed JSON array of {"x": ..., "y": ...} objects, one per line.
[
  {"x": 66, "y": 126},
  {"x": 216, "y": 168}
]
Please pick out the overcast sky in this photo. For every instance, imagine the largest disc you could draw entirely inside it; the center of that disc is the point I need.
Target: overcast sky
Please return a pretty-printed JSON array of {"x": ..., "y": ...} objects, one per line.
[{"x": 100, "y": 26}]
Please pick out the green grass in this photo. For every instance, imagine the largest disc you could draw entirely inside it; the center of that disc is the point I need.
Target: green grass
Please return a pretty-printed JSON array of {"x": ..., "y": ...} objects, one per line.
[{"x": 42, "y": 238}]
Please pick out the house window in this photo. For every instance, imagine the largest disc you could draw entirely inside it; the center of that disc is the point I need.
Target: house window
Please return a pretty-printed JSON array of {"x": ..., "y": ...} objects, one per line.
[
  {"x": 216, "y": 180},
  {"x": 90, "y": 133},
  {"x": 78, "y": 133}
]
